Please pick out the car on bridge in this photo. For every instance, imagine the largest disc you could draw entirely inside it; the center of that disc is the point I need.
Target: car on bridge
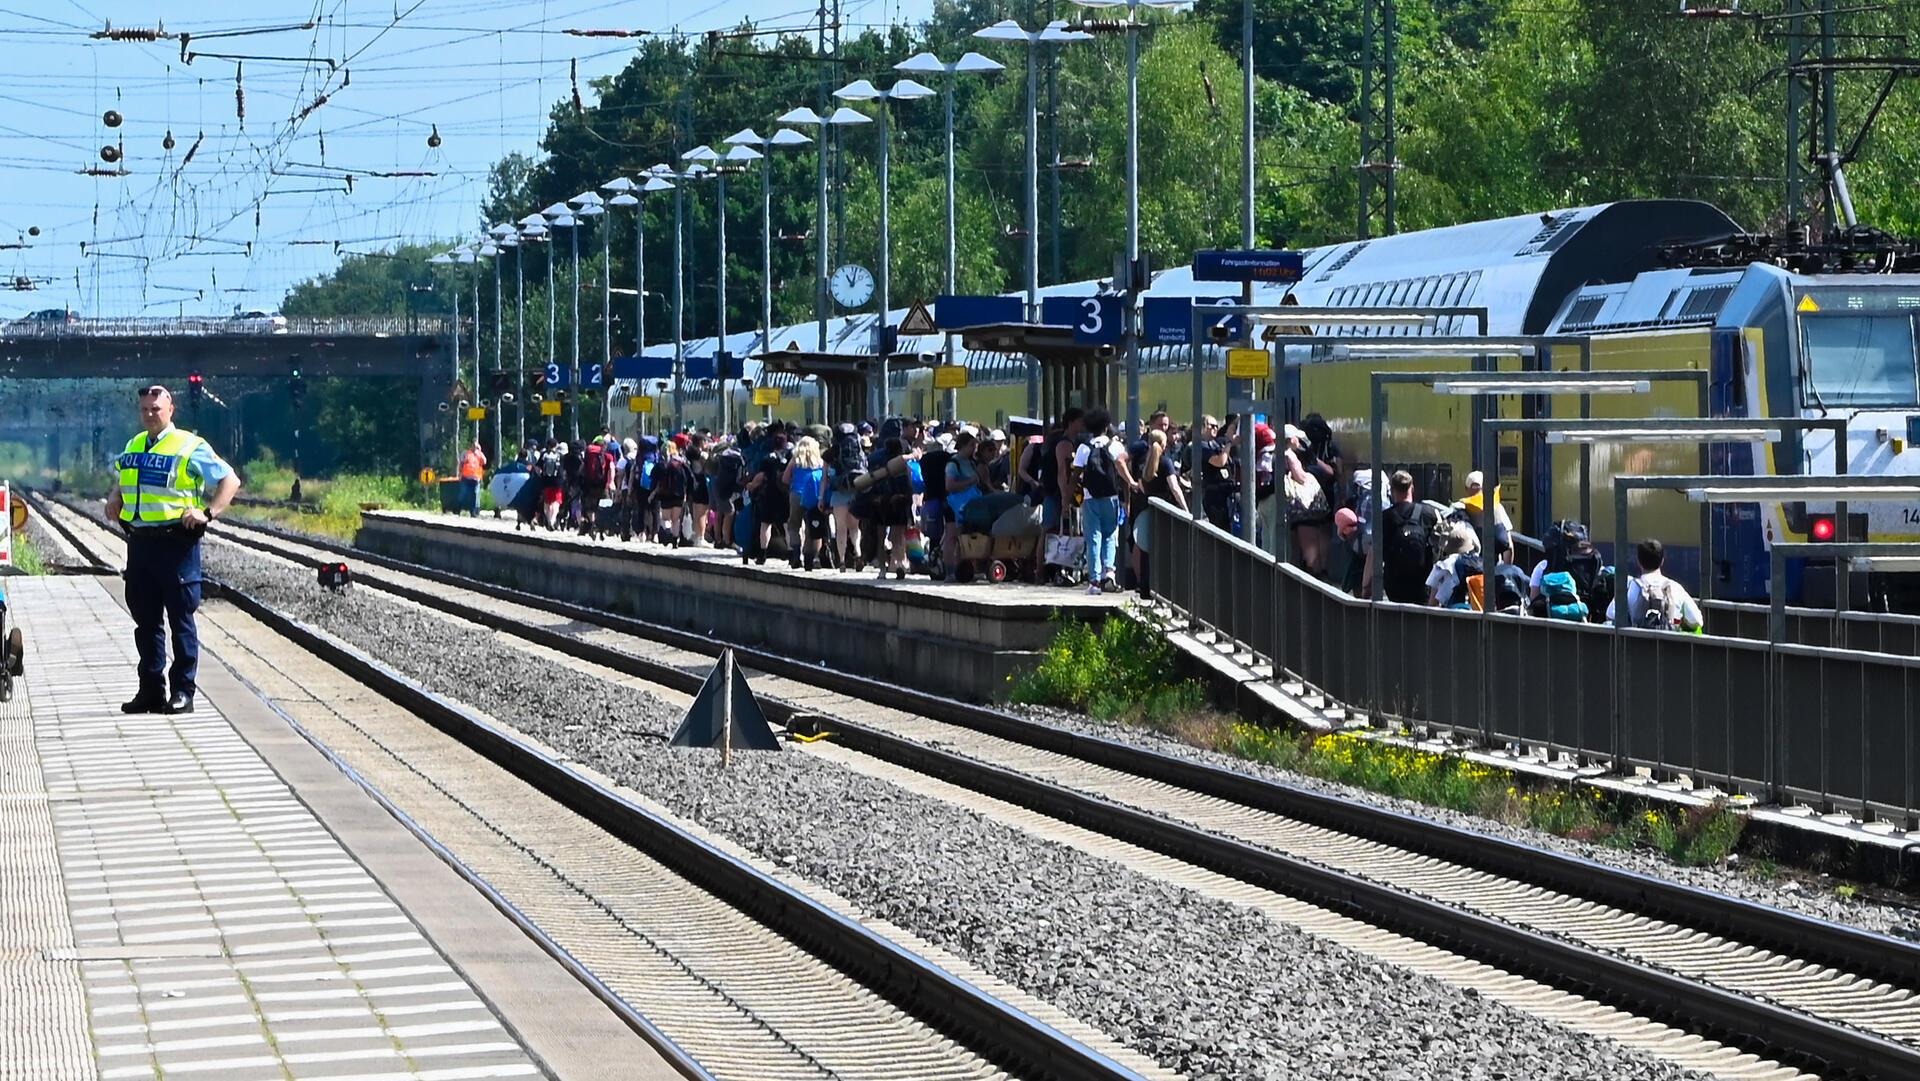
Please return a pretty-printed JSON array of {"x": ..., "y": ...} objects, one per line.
[
  {"x": 268, "y": 322},
  {"x": 48, "y": 317}
]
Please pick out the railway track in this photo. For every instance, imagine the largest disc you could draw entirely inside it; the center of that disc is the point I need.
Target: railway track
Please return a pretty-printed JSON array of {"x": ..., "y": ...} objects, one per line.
[
  {"x": 1823, "y": 996},
  {"x": 732, "y": 971}
]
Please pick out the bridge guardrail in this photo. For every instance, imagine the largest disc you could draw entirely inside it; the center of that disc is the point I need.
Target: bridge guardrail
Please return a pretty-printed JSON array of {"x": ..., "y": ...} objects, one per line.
[
  {"x": 397, "y": 326},
  {"x": 1843, "y": 733}
]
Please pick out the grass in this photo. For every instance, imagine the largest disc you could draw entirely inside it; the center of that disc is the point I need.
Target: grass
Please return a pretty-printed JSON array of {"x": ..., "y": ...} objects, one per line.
[
  {"x": 26, "y": 558},
  {"x": 337, "y": 498},
  {"x": 1118, "y": 671},
  {"x": 1122, "y": 671}
]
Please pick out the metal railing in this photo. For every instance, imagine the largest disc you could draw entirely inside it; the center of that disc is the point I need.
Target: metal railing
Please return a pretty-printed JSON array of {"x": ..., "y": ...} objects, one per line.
[
  {"x": 226, "y": 327},
  {"x": 1846, "y": 734}
]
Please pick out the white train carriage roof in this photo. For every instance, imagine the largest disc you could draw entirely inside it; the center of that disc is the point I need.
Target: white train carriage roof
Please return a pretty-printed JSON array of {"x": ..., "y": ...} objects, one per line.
[{"x": 1522, "y": 269}]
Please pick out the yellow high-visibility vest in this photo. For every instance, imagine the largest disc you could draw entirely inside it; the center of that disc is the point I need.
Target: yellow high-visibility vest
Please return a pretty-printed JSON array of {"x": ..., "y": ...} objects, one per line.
[{"x": 155, "y": 485}]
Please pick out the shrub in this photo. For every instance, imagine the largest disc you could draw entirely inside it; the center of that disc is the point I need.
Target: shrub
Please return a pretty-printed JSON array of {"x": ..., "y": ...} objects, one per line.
[{"x": 1121, "y": 670}]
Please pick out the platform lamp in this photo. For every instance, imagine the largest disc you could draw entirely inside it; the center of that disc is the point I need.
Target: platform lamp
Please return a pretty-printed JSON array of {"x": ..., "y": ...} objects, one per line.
[
  {"x": 561, "y": 216},
  {"x": 1131, "y": 28},
  {"x": 1054, "y": 33},
  {"x": 533, "y": 229},
  {"x": 504, "y": 236},
  {"x": 446, "y": 258},
  {"x": 482, "y": 249},
  {"x": 901, "y": 90},
  {"x": 692, "y": 171},
  {"x": 839, "y": 117},
  {"x": 588, "y": 205}
]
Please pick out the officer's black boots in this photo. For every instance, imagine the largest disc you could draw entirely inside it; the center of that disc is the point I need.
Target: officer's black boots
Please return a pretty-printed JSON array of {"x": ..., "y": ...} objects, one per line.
[
  {"x": 181, "y": 702},
  {"x": 147, "y": 701}
]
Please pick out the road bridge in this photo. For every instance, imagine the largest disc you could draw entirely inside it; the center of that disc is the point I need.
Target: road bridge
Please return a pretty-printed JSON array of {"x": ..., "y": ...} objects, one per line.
[{"x": 168, "y": 350}]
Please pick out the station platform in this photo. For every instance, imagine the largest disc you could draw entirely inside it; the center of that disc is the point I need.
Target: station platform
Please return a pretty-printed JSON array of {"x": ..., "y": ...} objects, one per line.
[
  {"x": 960, "y": 639},
  {"x": 207, "y": 896}
]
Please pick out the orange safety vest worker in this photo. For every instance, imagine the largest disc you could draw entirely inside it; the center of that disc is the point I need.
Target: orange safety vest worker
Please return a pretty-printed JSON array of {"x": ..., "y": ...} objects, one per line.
[{"x": 472, "y": 464}]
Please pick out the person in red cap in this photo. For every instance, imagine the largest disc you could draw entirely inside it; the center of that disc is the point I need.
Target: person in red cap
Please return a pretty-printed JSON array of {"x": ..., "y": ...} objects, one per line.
[{"x": 681, "y": 439}]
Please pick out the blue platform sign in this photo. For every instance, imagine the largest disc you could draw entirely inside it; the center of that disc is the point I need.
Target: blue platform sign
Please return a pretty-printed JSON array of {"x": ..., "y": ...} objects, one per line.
[
  {"x": 1096, "y": 320},
  {"x": 561, "y": 375},
  {"x": 959, "y": 312},
  {"x": 1283, "y": 267},
  {"x": 643, "y": 367},
  {"x": 1169, "y": 320}
]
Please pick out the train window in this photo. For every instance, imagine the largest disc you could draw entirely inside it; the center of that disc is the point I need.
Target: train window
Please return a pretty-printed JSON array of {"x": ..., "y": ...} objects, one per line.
[{"x": 1859, "y": 360}]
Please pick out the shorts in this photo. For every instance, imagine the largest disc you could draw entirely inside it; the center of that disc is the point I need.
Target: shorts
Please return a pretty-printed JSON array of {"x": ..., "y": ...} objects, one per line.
[
  {"x": 893, "y": 510},
  {"x": 668, "y": 502},
  {"x": 552, "y": 496},
  {"x": 1050, "y": 513},
  {"x": 840, "y": 497}
]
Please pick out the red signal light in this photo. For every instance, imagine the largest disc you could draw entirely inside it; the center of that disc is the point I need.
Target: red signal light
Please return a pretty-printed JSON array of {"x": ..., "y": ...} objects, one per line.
[
  {"x": 1822, "y": 529},
  {"x": 194, "y": 378}
]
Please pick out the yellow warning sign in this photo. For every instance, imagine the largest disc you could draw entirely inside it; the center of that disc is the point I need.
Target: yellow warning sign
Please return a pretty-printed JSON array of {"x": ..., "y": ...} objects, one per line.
[
  {"x": 766, "y": 395},
  {"x": 428, "y": 476},
  {"x": 950, "y": 377},
  {"x": 1248, "y": 364},
  {"x": 476, "y": 412},
  {"x": 640, "y": 403},
  {"x": 549, "y": 409},
  {"x": 1807, "y": 304}
]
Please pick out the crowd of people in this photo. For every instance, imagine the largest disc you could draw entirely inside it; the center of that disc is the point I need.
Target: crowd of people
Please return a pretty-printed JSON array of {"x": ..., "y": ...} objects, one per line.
[{"x": 1065, "y": 505}]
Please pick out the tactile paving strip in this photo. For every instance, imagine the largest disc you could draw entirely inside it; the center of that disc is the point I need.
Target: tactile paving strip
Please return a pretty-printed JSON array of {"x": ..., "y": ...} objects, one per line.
[{"x": 220, "y": 929}]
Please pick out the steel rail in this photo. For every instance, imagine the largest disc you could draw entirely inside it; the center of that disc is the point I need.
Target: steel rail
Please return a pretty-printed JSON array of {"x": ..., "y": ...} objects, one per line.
[
  {"x": 991, "y": 1027},
  {"x": 1646, "y": 988},
  {"x": 1836, "y": 945}
]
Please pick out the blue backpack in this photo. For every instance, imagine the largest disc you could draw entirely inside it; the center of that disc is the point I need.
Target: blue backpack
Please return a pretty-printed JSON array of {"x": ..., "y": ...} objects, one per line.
[{"x": 1561, "y": 595}]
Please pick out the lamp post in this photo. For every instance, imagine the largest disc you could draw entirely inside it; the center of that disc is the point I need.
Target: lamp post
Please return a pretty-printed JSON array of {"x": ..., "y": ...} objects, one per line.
[
  {"x": 533, "y": 227},
  {"x": 748, "y": 138},
  {"x": 927, "y": 64},
  {"x": 1130, "y": 340},
  {"x": 1055, "y": 32},
  {"x": 504, "y": 236},
  {"x": 453, "y": 290},
  {"x": 664, "y": 172},
  {"x": 590, "y": 205},
  {"x": 804, "y": 115},
  {"x": 560, "y": 216},
  {"x": 901, "y": 90}
]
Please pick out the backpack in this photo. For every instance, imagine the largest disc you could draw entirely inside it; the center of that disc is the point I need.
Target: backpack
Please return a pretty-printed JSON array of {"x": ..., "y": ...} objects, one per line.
[
  {"x": 550, "y": 465},
  {"x": 1560, "y": 598},
  {"x": 670, "y": 479},
  {"x": 1663, "y": 605},
  {"x": 1464, "y": 568},
  {"x": 594, "y": 471},
  {"x": 726, "y": 471},
  {"x": 849, "y": 460},
  {"x": 1408, "y": 543},
  {"x": 1046, "y": 469},
  {"x": 1097, "y": 478},
  {"x": 1570, "y": 549}
]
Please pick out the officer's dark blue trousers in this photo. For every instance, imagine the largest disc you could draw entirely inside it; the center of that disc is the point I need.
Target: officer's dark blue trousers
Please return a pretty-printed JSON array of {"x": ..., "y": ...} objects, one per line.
[{"x": 163, "y": 592}]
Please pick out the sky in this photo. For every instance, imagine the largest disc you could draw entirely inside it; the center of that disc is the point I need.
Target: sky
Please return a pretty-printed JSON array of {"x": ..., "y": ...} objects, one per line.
[{"x": 263, "y": 202}]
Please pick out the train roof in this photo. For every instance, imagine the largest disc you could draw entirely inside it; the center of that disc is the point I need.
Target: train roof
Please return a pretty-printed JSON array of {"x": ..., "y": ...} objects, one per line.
[{"x": 1521, "y": 268}]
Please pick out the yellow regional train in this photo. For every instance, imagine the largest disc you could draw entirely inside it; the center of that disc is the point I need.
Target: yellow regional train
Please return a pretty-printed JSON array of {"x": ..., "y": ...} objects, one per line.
[{"x": 1774, "y": 343}]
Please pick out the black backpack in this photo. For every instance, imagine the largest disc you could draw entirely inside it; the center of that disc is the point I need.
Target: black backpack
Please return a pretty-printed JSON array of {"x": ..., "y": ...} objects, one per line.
[
  {"x": 1097, "y": 478},
  {"x": 670, "y": 478},
  {"x": 1570, "y": 549},
  {"x": 1408, "y": 537},
  {"x": 849, "y": 458}
]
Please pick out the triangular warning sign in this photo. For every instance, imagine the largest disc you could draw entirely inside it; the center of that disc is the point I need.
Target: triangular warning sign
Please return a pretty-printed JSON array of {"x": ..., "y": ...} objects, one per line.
[
  {"x": 706, "y": 721},
  {"x": 1807, "y": 304},
  {"x": 918, "y": 321}
]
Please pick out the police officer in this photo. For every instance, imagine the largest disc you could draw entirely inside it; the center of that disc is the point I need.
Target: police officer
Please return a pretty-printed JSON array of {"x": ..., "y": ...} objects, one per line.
[{"x": 162, "y": 508}]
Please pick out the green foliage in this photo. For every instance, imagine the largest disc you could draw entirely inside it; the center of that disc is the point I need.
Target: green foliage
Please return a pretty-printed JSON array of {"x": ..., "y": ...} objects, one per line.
[
  {"x": 26, "y": 558},
  {"x": 1695, "y": 836},
  {"x": 338, "y": 499},
  {"x": 1118, "y": 671}
]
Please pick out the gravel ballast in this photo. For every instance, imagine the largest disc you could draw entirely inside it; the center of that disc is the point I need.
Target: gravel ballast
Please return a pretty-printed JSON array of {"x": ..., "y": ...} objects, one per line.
[
  {"x": 1812, "y": 895},
  {"x": 1208, "y": 988}
]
